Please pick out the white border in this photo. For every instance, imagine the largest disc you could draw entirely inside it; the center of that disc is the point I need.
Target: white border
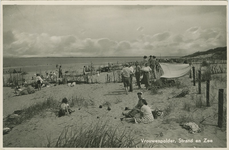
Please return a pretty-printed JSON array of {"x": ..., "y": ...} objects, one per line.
[{"x": 98, "y": 3}]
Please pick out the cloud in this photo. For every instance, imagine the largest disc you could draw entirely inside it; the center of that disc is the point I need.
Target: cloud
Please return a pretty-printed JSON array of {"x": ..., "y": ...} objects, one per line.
[{"x": 164, "y": 43}]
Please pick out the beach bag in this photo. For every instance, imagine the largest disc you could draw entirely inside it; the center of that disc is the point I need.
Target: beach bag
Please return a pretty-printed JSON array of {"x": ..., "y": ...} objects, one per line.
[
  {"x": 157, "y": 113},
  {"x": 191, "y": 127}
]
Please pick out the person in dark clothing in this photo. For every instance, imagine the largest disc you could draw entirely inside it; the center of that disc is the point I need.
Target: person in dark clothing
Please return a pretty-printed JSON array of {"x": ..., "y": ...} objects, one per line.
[
  {"x": 60, "y": 72},
  {"x": 131, "y": 77},
  {"x": 138, "y": 74},
  {"x": 146, "y": 74}
]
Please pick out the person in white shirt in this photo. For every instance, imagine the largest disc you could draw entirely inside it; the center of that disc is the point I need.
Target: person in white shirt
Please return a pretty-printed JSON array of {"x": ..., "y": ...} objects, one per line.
[
  {"x": 64, "y": 108},
  {"x": 39, "y": 80},
  {"x": 146, "y": 73},
  {"x": 126, "y": 72}
]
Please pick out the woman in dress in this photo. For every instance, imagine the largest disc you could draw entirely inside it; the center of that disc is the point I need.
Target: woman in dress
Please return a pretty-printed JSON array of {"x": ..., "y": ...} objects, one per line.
[
  {"x": 146, "y": 115},
  {"x": 136, "y": 109},
  {"x": 146, "y": 75}
]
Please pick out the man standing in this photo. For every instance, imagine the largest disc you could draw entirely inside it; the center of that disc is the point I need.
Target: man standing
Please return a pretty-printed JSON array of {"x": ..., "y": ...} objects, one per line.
[
  {"x": 60, "y": 72},
  {"x": 153, "y": 64},
  {"x": 146, "y": 74},
  {"x": 131, "y": 77},
  {"x": 138, "y": 74},
  {"x": 126, "y": 71},
  {"x": 144, "y": 61}
]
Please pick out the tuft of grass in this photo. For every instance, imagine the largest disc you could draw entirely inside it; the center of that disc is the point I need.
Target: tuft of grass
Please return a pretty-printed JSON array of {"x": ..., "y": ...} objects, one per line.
[
  {"x": 117, "y": 100},
  {"x": 205, "y": 64},
  {"x": 31, "y": 111},
  {"x": 154, "y": 89},
  {"x": 98, "y": 135},
  {"x": 206, "y": 76},
  {"x": 184, "y": 92},
  {"x": 80, "y": 102},
  {"x": 167, "y": 110},
  {"x": 185, "y": 118},
  {"x": 187, "y": 106},
  {"x": 220, "y": 78},
  {"x": 199, "y": 102}
]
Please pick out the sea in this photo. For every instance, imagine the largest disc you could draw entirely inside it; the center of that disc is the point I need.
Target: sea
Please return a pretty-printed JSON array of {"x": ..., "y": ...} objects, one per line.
[{"x": 36, "y": 64}]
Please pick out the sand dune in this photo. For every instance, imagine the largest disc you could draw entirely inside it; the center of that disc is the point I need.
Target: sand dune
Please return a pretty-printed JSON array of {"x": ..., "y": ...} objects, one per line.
[{"x": 36, "y": 131}]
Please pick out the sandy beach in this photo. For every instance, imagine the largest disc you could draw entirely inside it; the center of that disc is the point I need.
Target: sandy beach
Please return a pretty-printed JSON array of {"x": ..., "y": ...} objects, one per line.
[{"x": 36, "y": 131}]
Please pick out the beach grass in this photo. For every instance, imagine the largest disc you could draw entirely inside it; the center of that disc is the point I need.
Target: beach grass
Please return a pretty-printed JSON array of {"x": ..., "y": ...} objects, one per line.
[
  {"x": 97, "y": 135},
  {"x": 30, "y": 112}
]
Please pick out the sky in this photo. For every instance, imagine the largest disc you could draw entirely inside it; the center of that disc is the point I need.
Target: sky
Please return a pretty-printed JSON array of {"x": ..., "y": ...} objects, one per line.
[{"x": 111, "y": 30}]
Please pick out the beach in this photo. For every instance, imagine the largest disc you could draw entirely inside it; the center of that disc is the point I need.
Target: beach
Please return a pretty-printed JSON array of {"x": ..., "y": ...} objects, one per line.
[{"x": 45, "y": 127}]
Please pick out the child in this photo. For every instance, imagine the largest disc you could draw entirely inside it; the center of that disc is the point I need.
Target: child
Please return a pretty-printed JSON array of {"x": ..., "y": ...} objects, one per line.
[{"x": 64, "y": 108}]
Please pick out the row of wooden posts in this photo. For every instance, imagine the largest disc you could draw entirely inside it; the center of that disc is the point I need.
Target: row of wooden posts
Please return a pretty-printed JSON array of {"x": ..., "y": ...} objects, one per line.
[{"x": 220, "y": 95}]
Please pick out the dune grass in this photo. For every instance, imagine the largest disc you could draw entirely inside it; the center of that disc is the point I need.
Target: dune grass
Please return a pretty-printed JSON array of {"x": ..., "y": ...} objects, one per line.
[
  {"x": 97, "y": 135},
  {"x": 187, "y": 106},
  {"x": 30, "y": 112},
  {"x": 80, "y": 102},
  {"x": 40, "y": 107}
]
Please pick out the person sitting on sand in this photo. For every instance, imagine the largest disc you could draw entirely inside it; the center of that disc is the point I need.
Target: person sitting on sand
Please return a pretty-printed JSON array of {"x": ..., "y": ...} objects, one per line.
[
  {"x": 146, "y": 115},
  {"x": 39, "y": 81},
  {"x": 136, "y": 109},
  {"x": 64, "y": 108}
]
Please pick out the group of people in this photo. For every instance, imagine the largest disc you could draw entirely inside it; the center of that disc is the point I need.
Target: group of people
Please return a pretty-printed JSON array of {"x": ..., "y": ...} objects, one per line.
[
  {"x": 141, "y": 113},
  {"x": 147, "y": 68}
]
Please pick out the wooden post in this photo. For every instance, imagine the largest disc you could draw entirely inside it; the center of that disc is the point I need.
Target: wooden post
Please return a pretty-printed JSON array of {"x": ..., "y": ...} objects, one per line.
[
  {"x": 194, "y": 77},
  {"x": 10, "y": 78},
  {"x": 21, "y": 77},
  {"x": 3, "y": 81},
  {"x": 199, "y": 81},
  {"x": 207, "y": 92},
  {"x": 17, "y": 78},
  {"x": 107, "y": 77},
  {"x": 91, "y": 72},
  {"x": 190, "y": 75},
  {"x": 220, "y": 109}
]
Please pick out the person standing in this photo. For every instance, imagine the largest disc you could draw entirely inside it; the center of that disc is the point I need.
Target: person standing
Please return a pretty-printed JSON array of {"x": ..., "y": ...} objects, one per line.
[
  {"x": 144, "y": 61},
  {"x": 131, "y": 77},
  {"x": 138, "y": 74},
  {"x": 39, "y": 81},
  {"x": 60, "y": 72},
  {"x": 84, "y": 70},
  {"x": 126, "y": 71},
  {"x": 153, "y": 65},
  {"x": 146, "y": 73}
]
